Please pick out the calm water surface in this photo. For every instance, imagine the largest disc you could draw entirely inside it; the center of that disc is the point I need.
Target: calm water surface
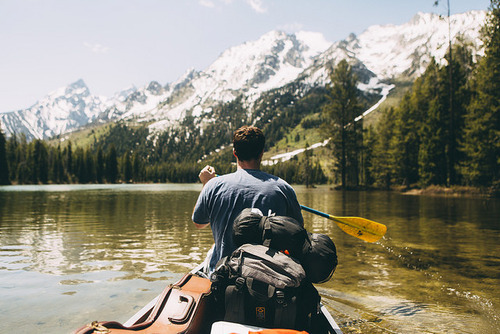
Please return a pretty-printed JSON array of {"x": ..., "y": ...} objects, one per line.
[{"x": 73, "y": 254}]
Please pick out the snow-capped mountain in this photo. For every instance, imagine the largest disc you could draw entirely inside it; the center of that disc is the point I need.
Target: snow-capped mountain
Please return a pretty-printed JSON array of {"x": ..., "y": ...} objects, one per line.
[
  {"x": 390, "y": 51},
  {"x": 254, "y": 67},
  {"x": 379, "y": 54},
  {"x": 61, "y": 111}
]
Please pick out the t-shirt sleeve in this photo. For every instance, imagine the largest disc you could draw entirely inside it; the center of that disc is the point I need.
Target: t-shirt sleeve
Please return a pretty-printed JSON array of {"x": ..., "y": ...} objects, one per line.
[
  {"x": 296, "y": 211},
  {"x": 293, "y": 209},
  {"x": 201, "y": 212}
]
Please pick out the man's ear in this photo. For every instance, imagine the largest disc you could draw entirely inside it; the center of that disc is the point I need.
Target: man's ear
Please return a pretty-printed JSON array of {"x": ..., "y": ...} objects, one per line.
[{"x": 234, "y": 153}]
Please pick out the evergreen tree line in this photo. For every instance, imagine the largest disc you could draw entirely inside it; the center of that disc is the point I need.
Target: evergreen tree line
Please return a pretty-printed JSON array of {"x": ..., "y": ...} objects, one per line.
[
  {"x": 436, "y": 135},
  {"x": 444, "y": 132},
  {"x": 37, "y": 162}
]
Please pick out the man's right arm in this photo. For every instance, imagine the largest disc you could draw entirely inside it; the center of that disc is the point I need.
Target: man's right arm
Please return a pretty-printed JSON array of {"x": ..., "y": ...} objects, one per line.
[
  {"x": 206, "y": 174},
  {"x": 199, "y": 211}
]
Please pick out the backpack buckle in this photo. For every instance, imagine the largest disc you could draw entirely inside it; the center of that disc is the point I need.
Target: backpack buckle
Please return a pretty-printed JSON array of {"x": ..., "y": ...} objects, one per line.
[
  {"x": 239, "y": 283},
  {"x": 280, "y": 297}
]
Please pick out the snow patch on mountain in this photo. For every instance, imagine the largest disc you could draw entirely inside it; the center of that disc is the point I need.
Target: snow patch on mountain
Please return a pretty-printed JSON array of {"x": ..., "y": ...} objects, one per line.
[
  {"x": 288, "y": 155},
  {"x": 385, "y": 89}
]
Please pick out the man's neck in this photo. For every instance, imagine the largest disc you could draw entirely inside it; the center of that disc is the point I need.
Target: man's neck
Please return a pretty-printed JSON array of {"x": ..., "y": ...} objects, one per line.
[{"x": 250, "y": 164}]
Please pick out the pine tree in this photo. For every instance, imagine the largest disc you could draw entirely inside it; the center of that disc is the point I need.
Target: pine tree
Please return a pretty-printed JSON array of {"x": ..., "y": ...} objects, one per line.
[
  {"x": 383, "y": 166},
  {"x": 90, "y": 169},
  {"x": 68, "y": 162},
  {"x": 4, "y": 166},
  {"x": 433, "y": 130},
  {"x": 127, "y": 167},
  {"x": 58, "y": 168},
  {"x": 53, "y": 170},
  {"x": 12, "y": 156},
  {"x": 481, "y": 145},
  {"x": 344, "y": 132},
  {"x": 80, "y": 168},
  {"x": 137, "y": 170},
  {"x": 306, "y": 168},
  {"x": 23, "y": 171},
  {"x": 38, "y": 162},
  {"x": 369, "y": 143},
  {"x": 111, "y": 165},
  {"x": 406, "y": 140},
  {"x": 99, "y": 165},
  {"x": 460, "y": 69}
]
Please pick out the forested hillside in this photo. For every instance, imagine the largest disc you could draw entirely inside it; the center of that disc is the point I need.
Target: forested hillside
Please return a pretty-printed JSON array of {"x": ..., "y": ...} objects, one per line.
[{"x": 125, "y": 153}]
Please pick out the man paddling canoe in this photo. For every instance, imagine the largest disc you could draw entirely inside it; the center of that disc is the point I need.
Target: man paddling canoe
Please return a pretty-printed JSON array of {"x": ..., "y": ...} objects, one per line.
[{"x": 224, "y": 197}]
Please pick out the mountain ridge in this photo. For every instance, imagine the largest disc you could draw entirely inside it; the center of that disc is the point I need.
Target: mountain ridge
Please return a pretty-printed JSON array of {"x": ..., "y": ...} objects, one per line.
[{"x": 379, "y": 54}]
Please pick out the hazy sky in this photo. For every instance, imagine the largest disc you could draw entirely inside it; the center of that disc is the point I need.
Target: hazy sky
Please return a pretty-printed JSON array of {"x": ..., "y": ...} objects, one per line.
[{"x": 113, "y": 44}]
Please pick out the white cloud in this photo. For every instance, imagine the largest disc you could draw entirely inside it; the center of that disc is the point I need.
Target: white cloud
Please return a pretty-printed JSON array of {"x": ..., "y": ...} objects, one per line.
[
  {"x": 96, "y": 48},
  {"x": 207, "y": 3},
  {"x": 257, "y": 5}
]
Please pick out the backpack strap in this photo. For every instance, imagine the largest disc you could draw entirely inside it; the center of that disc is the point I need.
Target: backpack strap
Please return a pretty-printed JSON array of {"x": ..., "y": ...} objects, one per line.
[
  {"x": 259, "y": 295},
  {"x": 285, "y": 310},
  {"x": 235, "y": 301},
  {"x": 279, "y": 308},
  {"x": 265, "y": 226}
]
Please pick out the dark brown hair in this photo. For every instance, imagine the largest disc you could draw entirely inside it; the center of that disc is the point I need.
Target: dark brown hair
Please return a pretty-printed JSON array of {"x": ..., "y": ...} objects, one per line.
[{"x": 248, "y": 143}]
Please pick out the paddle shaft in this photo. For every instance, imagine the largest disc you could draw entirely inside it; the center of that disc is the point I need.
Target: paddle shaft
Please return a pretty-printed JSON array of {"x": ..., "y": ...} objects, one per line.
[
  {"x": 326, "y": 215},
  {"x": 316, "y": 212}
]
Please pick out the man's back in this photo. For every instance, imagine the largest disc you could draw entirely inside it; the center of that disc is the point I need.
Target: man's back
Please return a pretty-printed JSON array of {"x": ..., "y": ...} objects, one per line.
[{"x": 224, "y": 197}]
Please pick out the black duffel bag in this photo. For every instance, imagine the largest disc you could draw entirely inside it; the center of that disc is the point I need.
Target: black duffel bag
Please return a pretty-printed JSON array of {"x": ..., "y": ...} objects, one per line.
[
  {"x": 281, "y": 233},
  {"x": 319, "y": 257}
]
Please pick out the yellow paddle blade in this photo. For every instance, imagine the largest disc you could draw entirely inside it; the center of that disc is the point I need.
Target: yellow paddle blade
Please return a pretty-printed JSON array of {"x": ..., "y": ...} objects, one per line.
[{"x": 361, "y": 228}]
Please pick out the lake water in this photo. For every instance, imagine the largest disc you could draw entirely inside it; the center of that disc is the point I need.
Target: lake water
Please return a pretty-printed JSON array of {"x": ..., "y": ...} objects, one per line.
[{"x": 73, "y": 254}]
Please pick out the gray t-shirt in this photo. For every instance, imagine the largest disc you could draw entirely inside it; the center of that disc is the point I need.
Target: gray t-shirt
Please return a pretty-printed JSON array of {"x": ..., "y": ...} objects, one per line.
[{"x": 224, "y": 197}]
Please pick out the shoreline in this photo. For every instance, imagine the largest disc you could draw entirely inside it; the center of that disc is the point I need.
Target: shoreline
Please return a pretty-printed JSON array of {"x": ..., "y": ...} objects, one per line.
[
  {"x": 434, "y": 190},
  {"x": 454, "y": 191}
]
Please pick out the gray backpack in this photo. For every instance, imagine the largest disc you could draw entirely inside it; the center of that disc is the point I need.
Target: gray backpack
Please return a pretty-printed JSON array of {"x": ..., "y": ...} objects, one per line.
[{"x": 260, "y": 286}]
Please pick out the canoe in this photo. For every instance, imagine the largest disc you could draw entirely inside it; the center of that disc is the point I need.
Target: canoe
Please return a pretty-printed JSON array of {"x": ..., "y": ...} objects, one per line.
[{"x": 172, "y": 312}]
